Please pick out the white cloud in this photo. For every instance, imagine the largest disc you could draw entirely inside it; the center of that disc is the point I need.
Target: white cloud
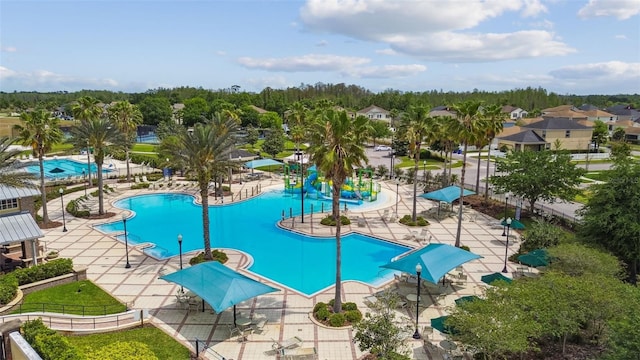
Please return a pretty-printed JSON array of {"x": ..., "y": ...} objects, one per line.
[
  {"x": 621, "y": 9},
  {"x": 433, "y": 30},
  {"x": 622, "y": 37},
  {"x": 610, "y": 71},
  {"x": 386, "y": 71},
  {"x": 47, "y": 80},
  {"x": 386, "y": 52},
  {"x": 8, "y": 49},
  {"x": 311, "y": 62},
  {"x": 544, "y": 24}
]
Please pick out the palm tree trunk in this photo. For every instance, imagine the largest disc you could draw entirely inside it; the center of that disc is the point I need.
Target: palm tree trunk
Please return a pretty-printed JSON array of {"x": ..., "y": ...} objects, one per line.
[
  {"x": 127, "y": 161},
  {"x": 43, "y": 189},
  {"x": 415, "y": 187},
  {"x": 460, "y": 200},
  {"x": 486, "y": 188},
  {"x": 337, "y": 305},
  {"x": 204, "y": 194},
  {"x": 100, "y": 190},
  {"x": 478, "y": 173}
]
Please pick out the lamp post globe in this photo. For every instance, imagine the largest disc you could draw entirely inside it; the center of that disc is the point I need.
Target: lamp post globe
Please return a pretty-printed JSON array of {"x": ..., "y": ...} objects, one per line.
[
  {"x": 506, "y": 247},
  {"x": 504, "y": 228},
  {"x": 126, "y": 241},
  {"x": 416, "y": 335},
  {"x": 64, "y": 222}
]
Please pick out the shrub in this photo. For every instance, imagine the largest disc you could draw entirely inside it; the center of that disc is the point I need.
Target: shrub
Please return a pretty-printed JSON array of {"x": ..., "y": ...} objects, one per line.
[
  {"x": 319, "y": 306},
  {"x": 74, "y": 209},
  {"x": 140, "y": 186},
  {"x": 322, "y": 314},
  {"x": 44, "y": 271},
  {"x": 465, "y": 247},
  {"x": 217, "y": 255},
  {"x": 408, "y": 221},
  {"x": 349, "y": 306},
  {"x": 329, "y": 221},
  {"x": 353, "y": 316},
  {"x": 48, "y": 343},
  {"x": 8, "y": 288},
  {"x": 336, "y": 320},
  {"x": 123, "y": 350}
]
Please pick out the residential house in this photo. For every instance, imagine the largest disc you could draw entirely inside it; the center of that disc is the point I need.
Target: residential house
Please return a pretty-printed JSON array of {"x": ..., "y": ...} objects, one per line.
[
  {"x": 375, "y": 113},
  {"x": 515, "y": 113},
  {"x": 632, "y": 134},
  {"x": 19, "y": 232},
  {"x": 624, "y": 112},
  {"x": 442, "y": 110},
  {"x": 543, "y": 134}
]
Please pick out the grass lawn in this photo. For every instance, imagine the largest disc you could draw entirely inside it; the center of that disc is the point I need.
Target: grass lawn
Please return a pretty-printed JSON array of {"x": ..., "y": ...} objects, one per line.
[
  {"x": 162, "y": 345},
  {"x": 73, "y": 298},
  {"x": 599, "y": 176},
  {"x": 142, "y": 147},
  {"x": 61, "y": 147}
]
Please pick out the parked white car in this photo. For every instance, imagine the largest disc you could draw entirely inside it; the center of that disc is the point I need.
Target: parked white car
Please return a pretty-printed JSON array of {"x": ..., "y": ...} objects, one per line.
[{"x": 383, "y": 148}]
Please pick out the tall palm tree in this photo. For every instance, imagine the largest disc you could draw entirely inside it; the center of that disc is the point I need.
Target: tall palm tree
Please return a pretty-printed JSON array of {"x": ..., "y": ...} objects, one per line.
[
  {"x": 493, "y": 126},
  {"x": 336, "y": 147},
  {"x": 11, "y": 172},
  {"x": 40, "y": 131},
  {"x": 414, "y": 127},
  {"x": 204, "y": 153},
  {"x": 480, "y": 140},
  {"x": 99, "y": 133},
  {"x": 126, "y": 118},
  {"x": 86, "y": 108},
  {"x": 466, "y": 131},
  {"x": 296, "y": 120}
]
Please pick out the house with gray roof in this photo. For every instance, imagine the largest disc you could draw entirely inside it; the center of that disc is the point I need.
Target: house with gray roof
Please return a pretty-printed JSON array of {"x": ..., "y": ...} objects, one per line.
[{"x": 546, "y": 133}]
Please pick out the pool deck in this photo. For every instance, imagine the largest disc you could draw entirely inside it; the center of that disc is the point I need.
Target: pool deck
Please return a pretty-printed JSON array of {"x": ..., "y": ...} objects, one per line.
[{"x": 287, "y": 311}]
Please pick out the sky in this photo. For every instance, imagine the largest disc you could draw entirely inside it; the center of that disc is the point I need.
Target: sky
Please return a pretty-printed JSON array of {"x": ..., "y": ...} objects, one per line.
[{"x": 565, "y": 46}]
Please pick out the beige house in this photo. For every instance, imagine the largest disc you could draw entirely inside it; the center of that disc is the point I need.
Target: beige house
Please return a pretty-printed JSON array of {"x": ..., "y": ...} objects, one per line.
[
  {"x": 375, "y": 113},
  {"x": 545, "y": 133}
]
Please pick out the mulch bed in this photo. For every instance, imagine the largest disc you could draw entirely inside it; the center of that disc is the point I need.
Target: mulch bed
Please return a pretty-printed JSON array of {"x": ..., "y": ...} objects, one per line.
[
  {"x": 98, "y": 217},
  {"x": 49, "y": 225}
]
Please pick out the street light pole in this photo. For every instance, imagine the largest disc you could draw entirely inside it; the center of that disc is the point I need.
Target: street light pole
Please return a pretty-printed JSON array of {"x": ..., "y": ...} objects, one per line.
[
  {"x": 397, "y": 192},
  {"x": 424, "y": 170},
  {"x": 416, "y": 335},
  {"x": 64, "y": 223},
  {"x": 180, "y": 247},
  {"x": 88, "y": 164},
  {"x": 393, "y": 158},
  {"x": 84, "y": 181},
  {"x": 506, "y": 248},
  {"x": 504, "y": 228},
  {"x": 240, "y": 169},
  {"x": 126, "y": 242},
  {"x": 301, "y": 188}
]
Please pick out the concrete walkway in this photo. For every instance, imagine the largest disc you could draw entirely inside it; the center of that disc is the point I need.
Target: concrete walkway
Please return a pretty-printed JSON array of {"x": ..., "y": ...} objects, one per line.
[{"x": 287, "y": 311}]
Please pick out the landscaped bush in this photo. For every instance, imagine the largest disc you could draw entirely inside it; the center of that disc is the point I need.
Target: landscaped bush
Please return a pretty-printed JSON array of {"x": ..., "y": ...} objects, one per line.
[
  {"x": 322, "y": 314},
  {"x": 140, "y": 186},
  {"x": 44, "y": 271},
  {"x": 349, "y": 306},
  {"x": 73, "y": 208},
  {"x": 329, "y": 221},
  {"x": 353, "y": 316},
  {"x": 465, "y": 247},
  {"x": 319, "y": 306},
  {"x": 123, "y": 350},
  {"x": 408, "y": 220},
  {"x": 336, "y": 320},
  {"x": 8, "y": 288},
  {"x": 349, "y": 315},
  {"x": 218, "y": 256},
  {"x": 48, "y": 343}
]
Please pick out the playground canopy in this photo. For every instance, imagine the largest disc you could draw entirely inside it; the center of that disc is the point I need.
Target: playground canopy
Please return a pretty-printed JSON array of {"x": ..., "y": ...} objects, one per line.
[
  {"x": 260, "y": 163},
  {"x": 448, "y": 194}
]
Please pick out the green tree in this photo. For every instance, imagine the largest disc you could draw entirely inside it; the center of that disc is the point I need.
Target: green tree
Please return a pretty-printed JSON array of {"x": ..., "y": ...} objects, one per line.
[
  {"x": 100, "y": 134},
  {"x": 274, "y": 142},
  {"x": 203, "y": 153},
  {"x": 87, "y": 108},
  {"x": 618, "y": 134},
  {"x": 270, "y": 120},
  {"x": 195, "y": 110},
  {"x": 493, "y": 125},
  {"x": 10, "y": 174},
  {"x": 541, "y": 235},
  {"x": 336, "y": 148},
  {"x": 126, "y": 117},
  {"x": 380, "y": 129},
  {"x": 579, "y": 260},
  {"x": 624, "y": 332},
  {"x": 40, "y": 131},
  {"x": 538, "y": 175},
  {"x": 611, "y": 216},
  {"x": 155, "y": 109},
  {"x": 600, "y": 133},
  {"x": 252, "y": 135}
]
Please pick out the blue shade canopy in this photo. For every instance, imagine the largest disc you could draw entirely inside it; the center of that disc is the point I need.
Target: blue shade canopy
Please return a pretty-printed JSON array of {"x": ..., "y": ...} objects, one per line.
[
  {"x": 218, "y": 285},
  {"x": 535, "y": 258},
  {"x": 495, "y": 278},
  {"x": 436, "y": 261},
  {"x": 439, "y": 324},
  {"x": 448, "y": 194},
  {"x": 515, "y": 224},
  {"x": 468, "y": 298},
  {"x": 253, "y": 164}
]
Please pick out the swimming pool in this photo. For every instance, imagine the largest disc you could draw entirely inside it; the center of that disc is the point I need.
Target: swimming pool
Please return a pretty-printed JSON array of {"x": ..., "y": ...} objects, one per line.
[
  {"x": 69, "y": 168},
  {"x": 303, "y": 263}
]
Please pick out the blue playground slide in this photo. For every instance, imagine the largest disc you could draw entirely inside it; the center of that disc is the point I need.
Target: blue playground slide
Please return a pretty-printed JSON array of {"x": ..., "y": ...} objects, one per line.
[{"x": 308, "y": 184}]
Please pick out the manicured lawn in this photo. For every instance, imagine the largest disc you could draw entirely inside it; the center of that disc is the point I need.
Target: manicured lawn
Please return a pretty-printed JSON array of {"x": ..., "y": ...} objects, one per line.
[
  {"x": 162, "y": 345},
  {"x": 61, "y": 147},
  {"x": 82, "y": 297},
  {"x": 142, "y": 147}
]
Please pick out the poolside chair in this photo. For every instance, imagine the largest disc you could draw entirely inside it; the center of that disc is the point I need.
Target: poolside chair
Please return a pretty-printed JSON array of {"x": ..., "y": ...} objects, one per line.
[
  {"x": 423, "y": 236},
  {"x": 289, "y": 343},
  {"x": 144, "y": 179},
  {"x": 299, "y": 353},
  {"x": 411, "y": 235},
  {"x": 361, "y": 221},
  {"x": 136, "y": 179},
  {"x": 258, "y": 327},
  {"x": 385, "y": 215}
]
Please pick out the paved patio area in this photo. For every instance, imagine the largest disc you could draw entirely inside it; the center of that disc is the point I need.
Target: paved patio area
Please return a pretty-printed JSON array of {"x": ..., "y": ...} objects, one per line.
[{"x": 287, "y": 311}]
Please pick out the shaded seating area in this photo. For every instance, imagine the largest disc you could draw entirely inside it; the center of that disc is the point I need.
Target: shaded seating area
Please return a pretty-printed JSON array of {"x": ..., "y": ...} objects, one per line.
[{"x": 445, "y": 197}]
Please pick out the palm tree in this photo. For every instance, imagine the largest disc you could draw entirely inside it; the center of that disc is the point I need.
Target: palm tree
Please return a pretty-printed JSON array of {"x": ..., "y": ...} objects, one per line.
[
  {"x": 297, "y": 121},
  {"x": 40, "y": 131},
  {"x": 493, "y": 126},
  {"x": 98, "y": 133},
  {"x": 204, "y": 153},
  {"x": 336, "y": 147},
  {"x": 466, "y": 131},
  {"x": 86, "y": 108},
  {"x": 480, "y": 140},
  {"x": 415, "y": 126},
  {"x": 126, "y": 117},
  {"x": 11, "y": 172}
]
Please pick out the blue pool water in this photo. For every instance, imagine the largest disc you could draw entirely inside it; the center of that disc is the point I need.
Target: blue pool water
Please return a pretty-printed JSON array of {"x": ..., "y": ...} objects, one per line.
[
  {"x": 306, "y": 264},
  {"x": 70, "y": 167}
]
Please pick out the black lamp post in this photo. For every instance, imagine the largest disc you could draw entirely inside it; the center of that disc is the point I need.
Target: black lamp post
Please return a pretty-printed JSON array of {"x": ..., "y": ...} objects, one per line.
[
  {"x": 504, "y": 228},
  {"x": 416, "y": 335},
  {"x": 84, "y": 181},
  {"x": 301, "y": 188},
  {"x": 126, "y": 242},
  {"x": 424, "y": 170},
  {"x": 391, "y": 171},
  {"x": 506, "y": 248},
  {"x": 180, "y": 247},
  {"x": 88, "y": 164},
  {"x": 240, "y": 169},
  {"x": 397, "y": 192},
  {"x": 64, "y": 223}
]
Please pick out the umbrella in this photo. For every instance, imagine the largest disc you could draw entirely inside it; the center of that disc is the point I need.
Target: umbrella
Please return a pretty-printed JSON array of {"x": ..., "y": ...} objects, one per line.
[
  {"x": 448, "y": 194},
  {"x": 436, "y": 261},
  {"x": 468, "y": 298},
  {"x": 261, "y": 163},
  {"x": 56, "y": 170},
  {"x": 438, "y": 324},
  {"x": 491, "y": 279},
  {"x": 515, "y": 224},
  {"x": 218, "y": 285},
  {"x": 535, "y": 258}
]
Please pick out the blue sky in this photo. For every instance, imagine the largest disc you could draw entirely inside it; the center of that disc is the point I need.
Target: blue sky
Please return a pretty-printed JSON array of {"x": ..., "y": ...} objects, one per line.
[{"x": 569, "y": 47}]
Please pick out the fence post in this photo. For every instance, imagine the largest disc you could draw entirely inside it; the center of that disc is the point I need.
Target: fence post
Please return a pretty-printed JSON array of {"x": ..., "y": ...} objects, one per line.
[
  {"x": 197, "y": 349},
  {"x": 282, "y": 214}
]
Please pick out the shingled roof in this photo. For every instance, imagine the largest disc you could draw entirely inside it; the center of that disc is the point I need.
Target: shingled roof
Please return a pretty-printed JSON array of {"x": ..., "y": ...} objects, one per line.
[
  {"x": 556, "y": 123},
  {"x": 525, "y": 137}
]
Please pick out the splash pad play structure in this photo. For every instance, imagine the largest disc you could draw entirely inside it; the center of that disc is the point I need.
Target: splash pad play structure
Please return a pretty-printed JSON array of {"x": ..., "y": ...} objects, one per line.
[{"x": 315, "y": 186}]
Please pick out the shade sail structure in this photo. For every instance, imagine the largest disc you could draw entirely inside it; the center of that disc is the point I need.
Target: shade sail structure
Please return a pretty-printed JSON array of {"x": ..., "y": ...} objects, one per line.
[
  {"x": 495, "y": 278},
  {"x": 535, "y": 258},
  {"x": 448, "y": 194},
  {"x": 468, "y": 298},
  {"x": 56, "y": 170},
  {"x": 253, "y": 164},
  {"x": 515, "y": 224},
  {"x": 218, "y": 285},
  {"x": 436, "y": 261},
  {"x": 439, "y": 324}
]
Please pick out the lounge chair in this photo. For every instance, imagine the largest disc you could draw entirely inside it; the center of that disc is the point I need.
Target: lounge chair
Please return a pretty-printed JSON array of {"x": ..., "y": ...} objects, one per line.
[
  {"x": 361, "y": 221},
  {"x": 258, "y": 327},
  {"x": 136, "y": 179},
  {"x": 299, "y": 353},
  {"x": 289, "y": 343},
  {"x": 144, "y": 179},
  {"x": 423, "y": 236},
  {"x": 411, "y": 235},
  {"x": 385, "y": 215}
]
